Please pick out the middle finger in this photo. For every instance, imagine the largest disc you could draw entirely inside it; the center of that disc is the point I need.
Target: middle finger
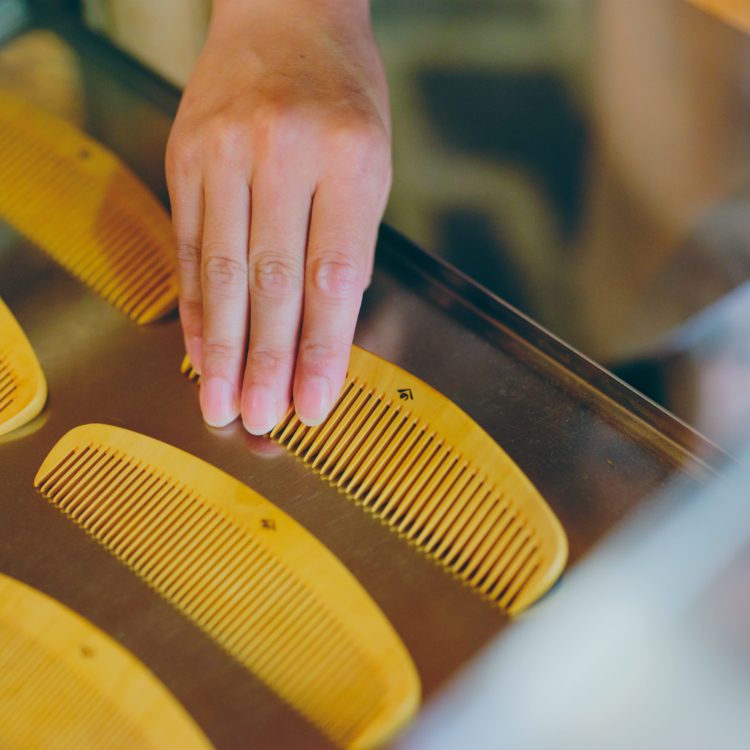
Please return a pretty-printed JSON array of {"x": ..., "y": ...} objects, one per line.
[{"x": 281, "y": 210}]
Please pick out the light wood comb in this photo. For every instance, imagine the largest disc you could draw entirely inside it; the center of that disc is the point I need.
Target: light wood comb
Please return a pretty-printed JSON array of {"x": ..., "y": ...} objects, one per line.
[
  {"x": 248, "y": 575},
  {"x": 413, "y": 458},
  {"x": 82, "y": 206},
  {"x": 66, "y": 685},
  {"x": 23, "y": 389}
]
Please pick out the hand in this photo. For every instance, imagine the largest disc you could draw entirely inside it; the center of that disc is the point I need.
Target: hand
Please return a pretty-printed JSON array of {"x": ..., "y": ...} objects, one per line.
[{"x": 279, "y": 169}]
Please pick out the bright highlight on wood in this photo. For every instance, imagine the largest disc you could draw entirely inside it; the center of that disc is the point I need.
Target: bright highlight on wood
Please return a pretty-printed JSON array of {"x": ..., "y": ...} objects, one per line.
[
  {"x": 82, "y": 206},
  {"x": 23, "y": 389},
  {"x": 425, "y": 468},
  {"x": 66, "y": 685},
  {"x": 735, "y": 12},
  {"x": 248, "y": 575}
]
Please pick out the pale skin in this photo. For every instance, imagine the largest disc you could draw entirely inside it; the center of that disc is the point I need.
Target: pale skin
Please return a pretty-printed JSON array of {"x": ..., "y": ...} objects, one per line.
[{"x": 279, "y": 169}]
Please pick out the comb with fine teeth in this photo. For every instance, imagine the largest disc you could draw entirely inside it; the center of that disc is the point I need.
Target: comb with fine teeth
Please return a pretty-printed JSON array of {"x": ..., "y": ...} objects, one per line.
[
  {"x": 413, "y": 458},
  {"x": 82, "y": 206},
  {"x": 66, "y": 685},
  {"x": 248, "y": 575},
  {"x": 23, "y": 389},
  {"x": 187, "y": 369}
]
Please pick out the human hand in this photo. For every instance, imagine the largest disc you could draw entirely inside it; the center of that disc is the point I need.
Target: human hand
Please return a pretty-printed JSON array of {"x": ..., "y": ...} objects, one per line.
[{"x": 278, "y": 168}]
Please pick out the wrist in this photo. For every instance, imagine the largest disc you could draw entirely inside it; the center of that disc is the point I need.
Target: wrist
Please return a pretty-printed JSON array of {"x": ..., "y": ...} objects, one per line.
[{"x": 234, "y": 10}]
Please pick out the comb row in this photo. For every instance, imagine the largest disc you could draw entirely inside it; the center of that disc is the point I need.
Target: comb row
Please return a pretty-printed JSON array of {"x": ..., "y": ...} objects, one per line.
[
  {"x": 82, "y": 206},
  {"x": 250, "y": 577},
  {"x": 65, "y": 685}
]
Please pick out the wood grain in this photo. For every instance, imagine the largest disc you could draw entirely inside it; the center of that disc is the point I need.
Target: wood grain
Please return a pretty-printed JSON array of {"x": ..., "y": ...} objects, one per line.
[
  {"x": 82, "y": 206},
  {"x": 66, "y": 685},
  {"x": 244, "y": 572}
]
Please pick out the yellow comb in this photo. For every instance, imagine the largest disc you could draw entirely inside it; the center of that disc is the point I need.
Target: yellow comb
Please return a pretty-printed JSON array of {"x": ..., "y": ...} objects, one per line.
[
  {"x": 23, "y": 389},
  {"x": 82, "y": 206},
  {"x": 65, "y": 685},
  {"x": 422, "y": 465},
  {"x": 248, "y": 575}
]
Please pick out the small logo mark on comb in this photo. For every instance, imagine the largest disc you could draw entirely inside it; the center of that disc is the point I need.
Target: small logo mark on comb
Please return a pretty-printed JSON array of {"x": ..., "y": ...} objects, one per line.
[
  {"x": 405, "y": 394},
  {"x": 268, "y": 523}
]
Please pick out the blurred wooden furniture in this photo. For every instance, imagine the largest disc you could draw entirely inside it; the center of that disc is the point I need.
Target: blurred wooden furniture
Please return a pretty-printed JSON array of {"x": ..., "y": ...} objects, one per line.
[
  {"x": 736, "y": 12},
  {"x": 165, "y": 35}
]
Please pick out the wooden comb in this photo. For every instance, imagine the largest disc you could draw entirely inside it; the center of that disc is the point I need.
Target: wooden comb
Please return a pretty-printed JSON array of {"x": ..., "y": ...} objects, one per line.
[
  {"x": 65, "y": 685},
  {"x": 23, "y": 389},
  {"x": 248, "y": 575},
  {"x": 82, "y": 206},
  {"x": 413, "y": 458}
]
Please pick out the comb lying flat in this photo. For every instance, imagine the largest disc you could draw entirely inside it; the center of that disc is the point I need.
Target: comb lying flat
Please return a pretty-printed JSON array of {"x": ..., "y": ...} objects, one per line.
[
  {"x": 431, "y": 473},
  {"x": 23, "y": 389},
  {"x": 82, "y": 206},
  {"x": 248, "y": 575},
  {"x": 428, "y": 470},
  {"x": 65, "y": 685}
]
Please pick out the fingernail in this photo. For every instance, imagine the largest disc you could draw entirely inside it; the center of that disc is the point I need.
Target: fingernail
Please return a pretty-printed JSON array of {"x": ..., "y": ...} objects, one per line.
[
  {"x": 313, "y": 401},
  {"x": 259, "y": 411},
  {"x": 218, "y": 402},
  {"x": 194, "y": 345}
]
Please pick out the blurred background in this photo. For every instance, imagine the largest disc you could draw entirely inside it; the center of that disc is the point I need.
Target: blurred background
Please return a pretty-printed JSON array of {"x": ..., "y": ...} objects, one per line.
[{"x": 585, "y": 160}]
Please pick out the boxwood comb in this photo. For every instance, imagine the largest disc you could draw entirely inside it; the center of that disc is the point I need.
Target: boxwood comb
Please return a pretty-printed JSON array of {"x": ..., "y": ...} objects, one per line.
[
  {"x": 66, "y": 685},
  {"x": 249, "y": 576},
  {"x": 23, "y": 389},
  {"x": 77, "y": 202},
  {"x": 427, "y": 470}
]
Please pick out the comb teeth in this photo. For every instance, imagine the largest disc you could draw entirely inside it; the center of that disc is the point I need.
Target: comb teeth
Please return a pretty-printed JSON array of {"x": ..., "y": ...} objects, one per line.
[
  {"x": 65, "y": 685},
  {"x": 396, "y": 466},
  {"x": 189, "y": 371},
  {"x": 224, "y": 578},
  {"x": 23, "y": 389},
  {"x": 421, "y": 465},
  {"x": 462, "y": 501},
  {"x": 8, "y": 386},
  {"x": 78, "y": 203}
]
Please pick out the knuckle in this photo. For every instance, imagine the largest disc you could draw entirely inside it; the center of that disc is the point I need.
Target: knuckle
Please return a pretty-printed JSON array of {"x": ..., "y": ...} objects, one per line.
[
  {"x": 269, "y": 360},
  {"x": 363, "y": 144},
  {"x": 275, "y": 121},
  {"x": 337, "y": 277},
  {"x": 225, "y": 275},
  {"x": 219, "y": 351},
  {"x": 319, "y": 355},
  {"x": 226, "y": 136},
  {"x": 275, "y": 276},
  {"x": 188, "y": 254}
]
